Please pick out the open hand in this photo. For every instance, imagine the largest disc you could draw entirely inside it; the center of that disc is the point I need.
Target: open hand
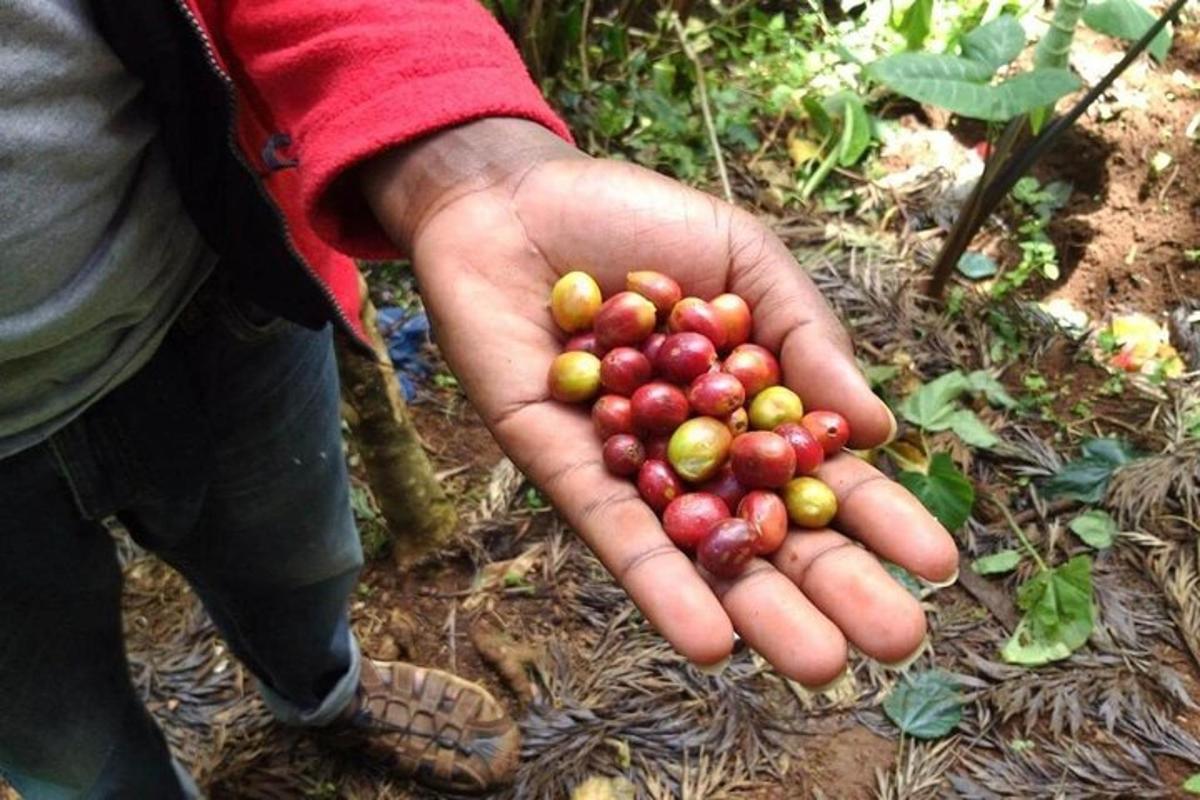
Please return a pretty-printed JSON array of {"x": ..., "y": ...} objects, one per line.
[{"x": 490, "y": 236}]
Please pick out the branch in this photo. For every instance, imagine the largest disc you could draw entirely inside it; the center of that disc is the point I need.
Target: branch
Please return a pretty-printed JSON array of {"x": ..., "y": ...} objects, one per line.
[{"x": 705, "y": 109}]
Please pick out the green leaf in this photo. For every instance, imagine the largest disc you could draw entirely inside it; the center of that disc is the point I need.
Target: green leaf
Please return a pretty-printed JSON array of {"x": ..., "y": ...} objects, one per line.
[
  {"x": 996, "y": 43},
  {"x": 819, "y": 116},
  {"x": 1112, "y": 450},
  {"x": 856, "y": 126},
  {"x": 997, "y": 563},
  {"x": 945, "y": 491},
  {"x": 1128, "y": 20},
  {"x": 971, "y": 429},
  {"x": 1192, "y": 784},
  {"x": 975, "y": 265},
  {"x": 1086, "y": 479},
  {"x": 879, "y": 374},
  {"x": 906, "y": 579},
  {"x": 916, "y": 24},
  {"x": 1058, "y": 614},
  {"x": 962, "y": 86},
  {"x": 982, "y": 382},
  {"x": 932, "y": 405},
  {"x": 1096, "y": 528},
  {"x": 926, "y": 705}
]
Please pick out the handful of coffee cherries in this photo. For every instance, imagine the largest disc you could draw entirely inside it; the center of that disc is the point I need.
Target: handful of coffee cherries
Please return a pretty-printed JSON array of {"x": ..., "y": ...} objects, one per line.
[{"x": 693, "y": 412}]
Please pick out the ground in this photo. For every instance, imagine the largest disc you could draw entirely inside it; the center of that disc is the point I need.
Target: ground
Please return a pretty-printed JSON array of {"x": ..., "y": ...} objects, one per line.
[{"x": 599, "y": 694}]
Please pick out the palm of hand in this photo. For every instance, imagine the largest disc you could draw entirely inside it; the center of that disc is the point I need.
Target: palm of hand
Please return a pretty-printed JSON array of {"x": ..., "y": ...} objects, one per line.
[{"x": 486, "y": 262}]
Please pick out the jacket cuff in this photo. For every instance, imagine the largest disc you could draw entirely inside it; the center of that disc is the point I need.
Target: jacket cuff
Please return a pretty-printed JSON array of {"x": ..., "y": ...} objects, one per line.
[{"x": 415, "y": 107}]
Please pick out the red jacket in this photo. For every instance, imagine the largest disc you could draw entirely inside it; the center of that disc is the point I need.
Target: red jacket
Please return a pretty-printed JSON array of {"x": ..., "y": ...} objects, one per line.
[{"x": 266, "y": 104}]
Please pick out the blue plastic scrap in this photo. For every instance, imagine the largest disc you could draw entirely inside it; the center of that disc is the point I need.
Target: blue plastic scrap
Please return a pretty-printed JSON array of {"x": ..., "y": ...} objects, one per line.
[{"x": 406, "y": 334}]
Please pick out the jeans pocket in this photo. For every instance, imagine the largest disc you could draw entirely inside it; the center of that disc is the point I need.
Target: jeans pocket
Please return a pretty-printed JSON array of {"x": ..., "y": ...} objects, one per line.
[{"x": 247, "y": 321}]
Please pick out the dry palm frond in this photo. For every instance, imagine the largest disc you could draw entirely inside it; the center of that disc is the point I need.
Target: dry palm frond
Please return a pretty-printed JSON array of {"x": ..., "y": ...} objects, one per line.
[
  {"x": 919, "y": 772},
  {"x": 1131, "y": 615},
  {"x": 1160, "y": 493},
  {"x": 1175, "y": 568},
  {"x": 878, "y": 299},
  {"x": 619, "y": 699},
  {"x": 1068, "y": 769}
]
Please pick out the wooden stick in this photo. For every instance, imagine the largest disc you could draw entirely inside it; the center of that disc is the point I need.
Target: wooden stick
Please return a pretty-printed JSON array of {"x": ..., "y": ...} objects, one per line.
[{"x": 705, "y": 109}]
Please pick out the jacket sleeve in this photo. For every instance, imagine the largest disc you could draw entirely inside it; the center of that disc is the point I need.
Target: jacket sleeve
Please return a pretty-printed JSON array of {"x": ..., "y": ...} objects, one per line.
[{"x": 344, "y": 80}]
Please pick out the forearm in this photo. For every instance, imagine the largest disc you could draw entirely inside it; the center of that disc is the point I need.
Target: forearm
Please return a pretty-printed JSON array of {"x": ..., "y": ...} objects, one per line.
[{"x": 407, "y": 185}]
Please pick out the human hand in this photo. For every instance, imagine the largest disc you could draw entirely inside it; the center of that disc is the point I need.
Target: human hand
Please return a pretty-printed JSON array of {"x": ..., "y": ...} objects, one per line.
[{"x": 493, "y": 213}]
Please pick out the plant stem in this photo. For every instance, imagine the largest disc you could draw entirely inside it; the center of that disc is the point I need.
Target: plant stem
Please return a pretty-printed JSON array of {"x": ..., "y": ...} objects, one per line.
[
  {"x": 584, "y": 71},
  {"x": 1055, "y": 47},
  {"x": 705, "y": 110},
  {"x": 1012, "y": 523}
]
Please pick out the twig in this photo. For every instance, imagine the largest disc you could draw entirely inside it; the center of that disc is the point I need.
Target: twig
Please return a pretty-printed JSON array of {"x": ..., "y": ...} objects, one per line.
[
  {"x": 705, "y": 109},
  {"x": 1012, "y": 523},
  {"x": 584, "y": 70},
  {"x": 1162, "y": 195},
  {"x": 451, "y": 628},
  {"x": 768, "y": 140},
  {"x": 995, "y": 599}
]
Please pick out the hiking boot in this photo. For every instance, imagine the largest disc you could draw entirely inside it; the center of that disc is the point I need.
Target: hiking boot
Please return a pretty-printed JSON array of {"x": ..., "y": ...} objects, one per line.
[{"x": 446, "y": 733}]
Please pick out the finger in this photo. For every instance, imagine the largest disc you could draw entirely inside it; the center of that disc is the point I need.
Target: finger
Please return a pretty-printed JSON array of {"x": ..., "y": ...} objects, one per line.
[
  {"x": 782, "y": 625},
  {"x": 621, "y": 529},
  {"x": 886, "y": 518},
  {"x": 852, "y": 588},
  {"x": 792, "y": 319}
]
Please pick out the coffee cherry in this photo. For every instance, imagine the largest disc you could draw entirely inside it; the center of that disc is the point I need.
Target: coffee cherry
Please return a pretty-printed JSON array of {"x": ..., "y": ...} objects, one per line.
[
  {"x": 659, "y": 289},
  {"x": 689, "y": 517},
  {"x": 728, "y": 547},
  {"x": 574, "y": 301},
  {"x": 698, "y": 448},
  {"x": 774, "y": 406},
  {"x": 762, "y": 460},
  {"x": 586, "y": 342},
  {"x": 735, "y": 318},
  {"x": 653, "y": 345},
  {"x": 626, "y": 318},
  {"x": 829, "y": 428},
  {"x": 810, "y": 503},
  {"x": 768, "y": 512},
  {"x": 623, "y": 454},
  {"x": 658, "y": 408},
  {"x": 612, "y": 414},
  {"x": 754, "y": 366},
  {"x": 624, "y": 369},
  {"x": 725, "y": 486},
  {"x": 658, "y": 484},
  {"x": 575, "y": 377},
  {"x": 738, "y": 422},
  {"x": 656, "y": 448},
  {"x": 716, "y": 394},
  {"x": 695, "y": 315},
  {"x": 809, "y": 453},
  {"x": 684, "y": 357}
]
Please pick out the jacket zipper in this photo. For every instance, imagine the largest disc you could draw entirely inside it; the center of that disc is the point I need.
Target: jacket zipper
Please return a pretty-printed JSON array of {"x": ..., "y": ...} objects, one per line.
[{"x": 231, "y": 142}]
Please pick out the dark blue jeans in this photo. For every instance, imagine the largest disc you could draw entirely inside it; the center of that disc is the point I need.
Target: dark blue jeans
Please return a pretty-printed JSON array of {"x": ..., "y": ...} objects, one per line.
[{"x": 223, "y": 456}]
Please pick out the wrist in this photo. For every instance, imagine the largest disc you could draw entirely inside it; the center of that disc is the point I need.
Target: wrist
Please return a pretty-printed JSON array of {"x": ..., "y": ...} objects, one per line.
[{"x": 408, "y": 185}]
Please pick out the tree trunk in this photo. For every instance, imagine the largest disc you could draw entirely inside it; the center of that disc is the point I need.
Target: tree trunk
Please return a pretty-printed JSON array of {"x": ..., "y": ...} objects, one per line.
[{"x": 419, "y": 515}]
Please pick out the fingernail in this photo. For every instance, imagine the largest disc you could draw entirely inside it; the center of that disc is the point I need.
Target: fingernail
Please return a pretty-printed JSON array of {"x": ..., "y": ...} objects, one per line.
[
  {"x": 713, "y": 670},
  {"x": 833, "y": 684},
  {"x": 953, "y": 579},
  {"x": 895, "y": 429},
  {"x": 905, "y": 663}
]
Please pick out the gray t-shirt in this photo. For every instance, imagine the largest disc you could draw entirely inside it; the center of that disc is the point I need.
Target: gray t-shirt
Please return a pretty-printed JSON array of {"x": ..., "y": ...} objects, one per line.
[{"x": 97, "y": 256}]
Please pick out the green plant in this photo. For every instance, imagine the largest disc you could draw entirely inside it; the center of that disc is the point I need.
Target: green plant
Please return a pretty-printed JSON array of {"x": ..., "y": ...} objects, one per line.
[
  {"x": 964, "y": 84},
  {"x": 935, "y": 406},
  {"x": 1058, "y": 606}
]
